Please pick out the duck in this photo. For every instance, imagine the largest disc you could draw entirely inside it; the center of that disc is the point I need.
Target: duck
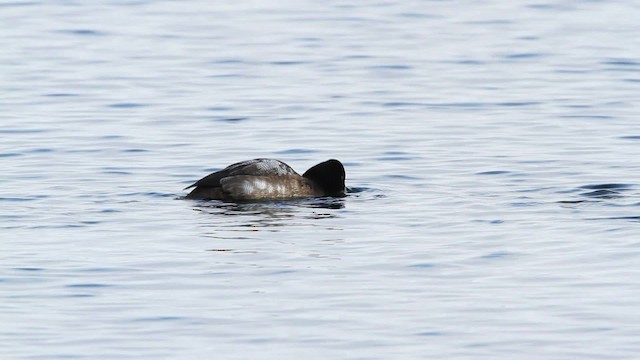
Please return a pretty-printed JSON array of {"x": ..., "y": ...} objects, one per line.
[{"x": 270, "y": 179}]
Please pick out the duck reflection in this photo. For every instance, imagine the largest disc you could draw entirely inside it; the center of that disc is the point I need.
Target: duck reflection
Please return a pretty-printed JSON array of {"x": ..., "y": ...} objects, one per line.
[{"x": 267, "y": 214}]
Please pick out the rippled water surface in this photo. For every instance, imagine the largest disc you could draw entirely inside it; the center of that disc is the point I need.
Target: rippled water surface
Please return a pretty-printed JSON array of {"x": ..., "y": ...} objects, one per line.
[{"x": 491, "y": 151}]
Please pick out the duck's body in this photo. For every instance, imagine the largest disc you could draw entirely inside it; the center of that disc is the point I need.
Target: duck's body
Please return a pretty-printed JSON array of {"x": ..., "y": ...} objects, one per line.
[{"x": 269, "y": 179}]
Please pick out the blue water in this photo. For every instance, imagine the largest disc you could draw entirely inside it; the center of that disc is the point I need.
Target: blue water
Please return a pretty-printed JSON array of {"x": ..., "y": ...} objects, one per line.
[{"x": 491, "y": 151}]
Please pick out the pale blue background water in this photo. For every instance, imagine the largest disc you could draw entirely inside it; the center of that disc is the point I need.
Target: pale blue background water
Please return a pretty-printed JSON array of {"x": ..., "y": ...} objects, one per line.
[{"x": 491, "y": 148}]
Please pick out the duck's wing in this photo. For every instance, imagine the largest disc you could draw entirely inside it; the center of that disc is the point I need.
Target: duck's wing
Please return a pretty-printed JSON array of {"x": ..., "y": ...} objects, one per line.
[
  {"x": 251, "y": 187},
  {"x": 256, "y": 167}
]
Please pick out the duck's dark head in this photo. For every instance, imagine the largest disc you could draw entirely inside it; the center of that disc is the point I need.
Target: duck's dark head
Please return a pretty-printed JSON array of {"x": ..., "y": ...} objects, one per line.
[{"x": 329, "y": 175}]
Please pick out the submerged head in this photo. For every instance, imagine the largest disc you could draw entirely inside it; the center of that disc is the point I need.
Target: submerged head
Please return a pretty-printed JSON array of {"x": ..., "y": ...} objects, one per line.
[{"x": 329, "y": 175}]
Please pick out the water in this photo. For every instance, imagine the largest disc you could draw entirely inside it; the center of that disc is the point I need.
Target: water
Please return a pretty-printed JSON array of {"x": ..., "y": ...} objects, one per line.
[{"x": 491, "y": 151}]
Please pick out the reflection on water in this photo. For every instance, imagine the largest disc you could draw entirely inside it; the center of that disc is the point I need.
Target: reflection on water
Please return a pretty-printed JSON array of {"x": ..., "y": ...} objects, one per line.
[
  {"x": 266, "y": 214},
  {"x": 599, "y": 192},
  {"x": 232, "y": 224},
  {"x": 270, "y": 212},
  {"x": 619, "y": 199},
  {"x": 606, "y": 191}
]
